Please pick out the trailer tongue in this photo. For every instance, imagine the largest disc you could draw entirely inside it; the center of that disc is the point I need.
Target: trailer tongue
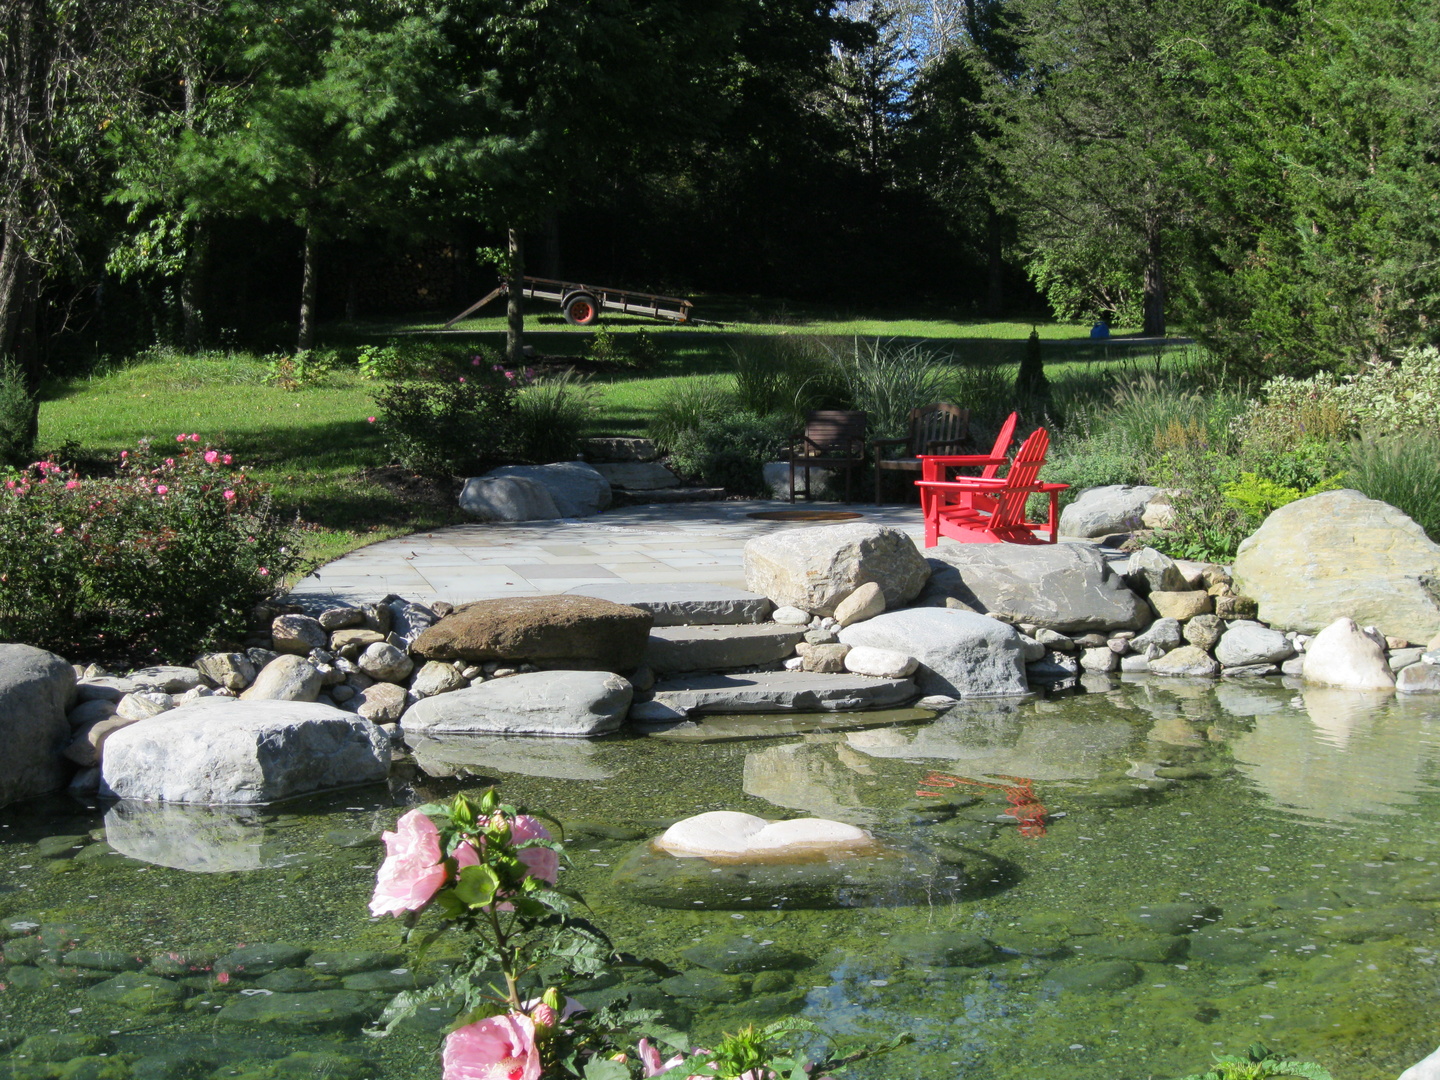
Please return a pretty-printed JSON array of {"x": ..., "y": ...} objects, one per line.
[{"x": 582, "y": 304}]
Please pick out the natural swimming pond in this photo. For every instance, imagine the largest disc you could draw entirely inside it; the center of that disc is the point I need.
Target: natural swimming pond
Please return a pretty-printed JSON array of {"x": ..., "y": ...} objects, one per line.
[{"x": 1219, "y": 865}]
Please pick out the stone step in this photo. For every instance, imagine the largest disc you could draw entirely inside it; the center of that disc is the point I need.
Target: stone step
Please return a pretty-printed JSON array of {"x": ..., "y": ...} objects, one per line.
[
  {"x": 677, "y": 604},
  {"x": 624, "y": 497},
  {"x": 770, "y": 691},
  {"x": 644, "y": 476},
  {"x": 722, "y": 647},
  {"x": 731, "y": 728}
]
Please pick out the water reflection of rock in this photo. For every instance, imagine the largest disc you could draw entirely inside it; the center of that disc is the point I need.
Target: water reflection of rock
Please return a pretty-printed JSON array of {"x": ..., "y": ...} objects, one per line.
[
  {"x": 1347, "y": 754},
  {"x": 989, "y": 742},
  {"x": 203, "y": 839},
  {"x": 821, "y": 775},
  {"x": 556, "y": 759}
]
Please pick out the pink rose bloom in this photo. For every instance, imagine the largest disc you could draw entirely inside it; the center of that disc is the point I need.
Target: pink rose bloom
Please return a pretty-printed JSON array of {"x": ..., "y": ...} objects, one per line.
[
  {"x": 226, "y": 460},
  {"x": 212, "y": 456},
  {"x": 475, "y": 361},
  {"x": 170, "y": 462},
  {"x": 413, "y": 870},
  {"x": 370, "y": 419},
  {"x": 496, "y": 1048},
  {"x": 161, "y": 489},
  {"x": 229, "y": 496},
  {"x": 542, "y": 862},
  {"x": 71, "y": 485},
  {"x": 266, "y": 573},
  {"x": 194, "y": 438},
  {"x": 179, "y": 438},
  {"x": 650, "y": 1061},
  {"x": 124, "y": 454}
]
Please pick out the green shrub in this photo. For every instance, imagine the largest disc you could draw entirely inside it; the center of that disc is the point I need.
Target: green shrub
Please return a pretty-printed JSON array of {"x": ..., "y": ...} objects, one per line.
[
  {"x": 1391, "y": 398},
  {"x": 731, "y": 451},
  {"x": 422, "y": 358},
  {"x": 1290, "y": 411},
  {"x": 1256, "y": 496},
  {"x": 1402, "y": 470},
  {"x": 550, "y": 417},
  {"x": 685, "y": 404},
  {"x": 295, "y": 371},
  {"x": 452, "y": 424},
  {"x": 166, "y": 558},
  {"x": 17, "y": 417}
]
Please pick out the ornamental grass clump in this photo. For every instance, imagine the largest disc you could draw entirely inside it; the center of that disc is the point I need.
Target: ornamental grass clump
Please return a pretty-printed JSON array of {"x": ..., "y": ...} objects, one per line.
[{"x": 164, "y": 558}]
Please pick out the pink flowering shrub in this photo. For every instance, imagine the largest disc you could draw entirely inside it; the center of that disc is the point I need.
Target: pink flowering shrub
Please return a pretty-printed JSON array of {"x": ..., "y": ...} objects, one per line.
[{"x": 166, "y": 556}]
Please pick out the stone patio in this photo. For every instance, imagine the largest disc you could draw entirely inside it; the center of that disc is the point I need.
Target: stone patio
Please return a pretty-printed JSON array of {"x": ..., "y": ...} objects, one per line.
[{"x": 690, "y": 543}]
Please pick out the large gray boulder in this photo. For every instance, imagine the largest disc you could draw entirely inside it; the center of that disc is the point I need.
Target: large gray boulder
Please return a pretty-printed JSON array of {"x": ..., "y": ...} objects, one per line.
[
  {"x": 217, "y": 751},
  {"x": 36, "y": 689},
  {"x": 960, "y": 653},
  {"x": 1101, "y": 511},
  {"x": 577, "y": 489},
  {"x": 1065, "y": 587},
  {"x": 1342, "y": 554},
  {"x": 569, "y": 703},
  {"x": 507, "y": 498},
  {"x": 815, "y": 568}
]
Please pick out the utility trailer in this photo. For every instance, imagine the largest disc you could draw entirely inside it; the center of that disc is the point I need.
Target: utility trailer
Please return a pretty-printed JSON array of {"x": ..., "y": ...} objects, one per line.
[{"x": 582, "y": 304}]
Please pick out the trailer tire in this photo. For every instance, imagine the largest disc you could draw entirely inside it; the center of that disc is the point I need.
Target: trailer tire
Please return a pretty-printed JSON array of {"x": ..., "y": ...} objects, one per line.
[{"x": 581, "y": 309}]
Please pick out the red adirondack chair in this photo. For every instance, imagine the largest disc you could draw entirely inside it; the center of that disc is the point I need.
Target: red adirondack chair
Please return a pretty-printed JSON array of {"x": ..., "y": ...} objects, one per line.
[
  {"x": 988, "y": 510},
  {"x": 937, "y": 466}
]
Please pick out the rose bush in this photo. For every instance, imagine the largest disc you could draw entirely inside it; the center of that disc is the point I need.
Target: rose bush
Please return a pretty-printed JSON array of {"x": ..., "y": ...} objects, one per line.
[
  {"x": 167, "y": 555},
  {"x": 490, "y": 870}
]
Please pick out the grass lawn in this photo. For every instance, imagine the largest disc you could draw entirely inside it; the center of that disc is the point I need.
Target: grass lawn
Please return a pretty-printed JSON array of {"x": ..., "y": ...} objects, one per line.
[{"x": 322, "y": 458}]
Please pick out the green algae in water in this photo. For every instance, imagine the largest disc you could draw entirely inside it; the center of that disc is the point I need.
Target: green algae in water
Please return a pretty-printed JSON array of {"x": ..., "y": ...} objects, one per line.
[{"x": 1220, "y": 865}]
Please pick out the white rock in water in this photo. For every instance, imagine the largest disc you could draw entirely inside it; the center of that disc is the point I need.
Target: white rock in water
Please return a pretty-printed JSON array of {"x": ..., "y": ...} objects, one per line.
[
  {"x": 730, "y": 835},
  {"x": 1344, "y": 655},
  {"x": 1426, "y": 1069}
]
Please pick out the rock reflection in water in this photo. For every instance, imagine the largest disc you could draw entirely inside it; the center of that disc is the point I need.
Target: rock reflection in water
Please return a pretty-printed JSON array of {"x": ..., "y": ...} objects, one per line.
[
  {"x": 202, "y": 839},
  {"x": 820, "y": 774},
  {"x": 553, "y": 758},
  {"x": 1343, "y": 755},
  {"x": 986, "y": 741}
]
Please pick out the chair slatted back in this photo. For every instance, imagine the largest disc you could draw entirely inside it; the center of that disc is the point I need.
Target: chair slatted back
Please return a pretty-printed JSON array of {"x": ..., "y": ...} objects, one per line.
[
  {"x": 1024, "y": 470},
  {"x": 1002, "y": 443},
  {"x": 940, "y": 423},
  {"x": 834, "y": 432}
]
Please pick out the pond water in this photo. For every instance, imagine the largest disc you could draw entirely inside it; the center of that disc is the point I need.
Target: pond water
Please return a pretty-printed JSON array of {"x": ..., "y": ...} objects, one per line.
[{"x": 1217, "y": 866}]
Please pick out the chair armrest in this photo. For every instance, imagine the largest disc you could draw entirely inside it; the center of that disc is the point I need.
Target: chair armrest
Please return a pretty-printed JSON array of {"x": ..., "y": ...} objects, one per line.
[
  {"x": 980, "y": 483},
  {"x": 945, "y": 460},
  {"x": 888, "y": 442}
]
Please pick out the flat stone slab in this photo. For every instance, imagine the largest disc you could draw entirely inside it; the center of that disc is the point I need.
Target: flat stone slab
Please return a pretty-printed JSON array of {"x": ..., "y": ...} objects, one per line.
[
  {"x": 560, "y": 703},
  {"x": 674, "y": 604},
  {"x": 779, "y": 691},
  {"x": 637, "y": 475},
  {"x": 720, "y": 648},
  {"x": 728, "y": 728}
]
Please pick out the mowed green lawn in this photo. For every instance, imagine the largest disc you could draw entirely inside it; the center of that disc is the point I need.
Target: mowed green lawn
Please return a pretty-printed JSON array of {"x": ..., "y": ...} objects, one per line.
[{"x": 316, "y": 448}]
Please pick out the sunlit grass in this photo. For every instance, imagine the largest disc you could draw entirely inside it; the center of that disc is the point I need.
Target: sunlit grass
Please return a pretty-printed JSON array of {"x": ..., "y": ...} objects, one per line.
[{"x": 314, "y": 445}]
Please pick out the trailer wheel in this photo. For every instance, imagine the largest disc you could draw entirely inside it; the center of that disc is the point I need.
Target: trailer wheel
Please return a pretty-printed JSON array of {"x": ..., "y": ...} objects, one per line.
[{"x": 582, "y": 309}]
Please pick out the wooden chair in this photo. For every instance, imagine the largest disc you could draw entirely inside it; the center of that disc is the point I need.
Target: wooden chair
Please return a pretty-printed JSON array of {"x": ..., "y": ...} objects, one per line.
[
  {"x": 988, "y": 510},
  {"x": 934, "y": 429},
  {"x": 833, "y": 439},
  {"x": 939, "y": 466}
]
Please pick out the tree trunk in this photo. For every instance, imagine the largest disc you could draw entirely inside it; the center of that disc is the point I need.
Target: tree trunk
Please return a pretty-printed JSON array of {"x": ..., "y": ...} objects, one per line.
[
  {"x": 192, "y": 286},
  {"x": 1154, "y": 301},
  {"x": 515, "y": 301},
  {"x": 307, "y": 290}
]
